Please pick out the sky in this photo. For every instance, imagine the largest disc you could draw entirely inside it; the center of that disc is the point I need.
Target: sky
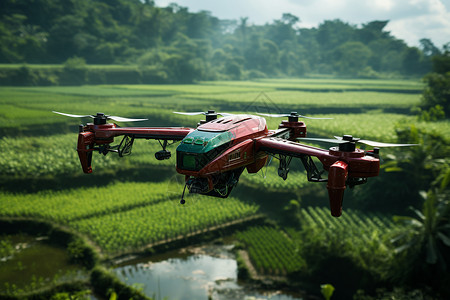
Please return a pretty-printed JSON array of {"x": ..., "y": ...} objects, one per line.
[{"x": 409, "y": 20}]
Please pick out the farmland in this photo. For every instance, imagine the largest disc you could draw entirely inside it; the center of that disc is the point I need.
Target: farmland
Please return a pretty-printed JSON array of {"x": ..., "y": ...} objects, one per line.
[{"x": 130, "y": 203}]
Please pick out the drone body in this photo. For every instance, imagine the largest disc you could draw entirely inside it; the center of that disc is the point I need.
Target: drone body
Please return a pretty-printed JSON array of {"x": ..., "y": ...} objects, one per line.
[{"x": 213, "y": 156}]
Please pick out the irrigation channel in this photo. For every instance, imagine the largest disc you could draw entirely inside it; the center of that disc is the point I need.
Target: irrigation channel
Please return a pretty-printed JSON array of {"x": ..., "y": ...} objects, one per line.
[{"x": 207, "y": 271}]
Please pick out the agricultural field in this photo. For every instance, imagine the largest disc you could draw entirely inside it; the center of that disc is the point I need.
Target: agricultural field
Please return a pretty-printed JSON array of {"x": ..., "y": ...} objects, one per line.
[
  {"x": 132, "y": 202},
  {"x": 38, "y": 144},
  {"x": 278, "y": 251}
]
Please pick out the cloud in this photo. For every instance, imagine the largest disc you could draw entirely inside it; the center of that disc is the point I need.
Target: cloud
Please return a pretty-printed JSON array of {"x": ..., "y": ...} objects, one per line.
[{"x": 410, "y": 20}]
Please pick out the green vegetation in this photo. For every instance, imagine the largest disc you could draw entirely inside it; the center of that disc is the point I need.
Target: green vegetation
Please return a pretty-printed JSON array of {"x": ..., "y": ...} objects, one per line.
[
  {"x": 271, "y": 251},
  {"x": 67, "y": 205},
  {"x": 98, "y": 42},
  {"x": 435, "y": 101},
  {"x": 131, "y": 204},
  {"x": 358, "y": 236},
  {"x": 161, "y": 221}
]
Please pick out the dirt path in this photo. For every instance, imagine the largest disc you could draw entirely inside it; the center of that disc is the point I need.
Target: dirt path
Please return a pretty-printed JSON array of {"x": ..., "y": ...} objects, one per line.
[
  {"x": 254, "y": 274},
  {"x": 251, "y": 269}
]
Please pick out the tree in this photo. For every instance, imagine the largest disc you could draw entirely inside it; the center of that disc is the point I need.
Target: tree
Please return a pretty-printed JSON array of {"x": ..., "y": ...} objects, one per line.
[
  {"x": 436, "y": 94},
  {"x": 423, "y": 244},
  {"x": 407, "y": 172},
  {"x": 283, "y": 29},
  {"x": 413, "y": 62},
  {"x": 441, "y": 63},
  {"x": 331, "y": 34},
  {"x": 373, "y": 31},
  {"x": 120, "y": 32},
  {"x": 351, "y": 57},
  {"x": 428, "y": 48},
  {"x": 61, "y": 43}
]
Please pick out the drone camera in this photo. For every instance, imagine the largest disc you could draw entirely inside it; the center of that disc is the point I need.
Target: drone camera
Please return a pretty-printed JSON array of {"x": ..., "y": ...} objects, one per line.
[{"x": 163, "y": 154}]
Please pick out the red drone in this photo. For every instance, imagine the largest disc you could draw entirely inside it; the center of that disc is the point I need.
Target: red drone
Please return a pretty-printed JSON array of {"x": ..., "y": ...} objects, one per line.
[{"x": 213, "y": 156}]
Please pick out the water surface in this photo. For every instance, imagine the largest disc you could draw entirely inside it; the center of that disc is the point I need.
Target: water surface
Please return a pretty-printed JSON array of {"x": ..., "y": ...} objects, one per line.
[
  {"x": 29, "y": 262},
  {"x": 206, "y": 272}
]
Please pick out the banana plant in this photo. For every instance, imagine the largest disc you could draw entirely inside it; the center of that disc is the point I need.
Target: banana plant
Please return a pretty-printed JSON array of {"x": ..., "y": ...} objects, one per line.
[{"x": 425, "y": 238}]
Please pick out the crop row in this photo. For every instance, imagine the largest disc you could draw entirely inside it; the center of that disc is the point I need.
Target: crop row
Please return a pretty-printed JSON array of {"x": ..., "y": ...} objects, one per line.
[
  {"x": 66, "y": 205},
  {"x": 362, "y": 236},
  {"x": 27, "y": 106},
  {"x": 303, "y": 100},
  {"x": 164, "y": 220},
  {"x": 271, "y": 250},
  {"x": 328, "y": 83},
  {"x": 56, "y": 155},
  {"x": 351, "y": 221}
]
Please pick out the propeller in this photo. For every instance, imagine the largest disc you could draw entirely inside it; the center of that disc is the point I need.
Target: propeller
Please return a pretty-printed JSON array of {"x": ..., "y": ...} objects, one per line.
[
  {"x": 350, "y": 139},
  {"x": 210, "y": 114},
  {"x": 202, "y": 113},
  {"x": 101, "y": 116},
  {"x": 293, "y": 116},
  {"x": 347, "y": 142}
]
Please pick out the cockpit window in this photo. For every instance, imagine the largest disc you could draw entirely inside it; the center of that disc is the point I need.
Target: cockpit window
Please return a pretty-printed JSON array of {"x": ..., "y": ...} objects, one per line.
[{"x": 200, "y": 147}]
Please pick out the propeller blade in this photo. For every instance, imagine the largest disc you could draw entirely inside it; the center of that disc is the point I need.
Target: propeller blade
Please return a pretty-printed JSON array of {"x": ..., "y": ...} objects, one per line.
[
  {"x": 73, "y": 116},
  {"x": 225, "y": 114},
  {"x": 189, "y": 113},
  {"x": 274, "y": 115},
  {"x": 379, "y": 144},
  {"x": 202, "y": 113},
  {"x": 290, "y": 115},
  {"x": 120, "y": 119},
  {"x": 314, "y": 118}
]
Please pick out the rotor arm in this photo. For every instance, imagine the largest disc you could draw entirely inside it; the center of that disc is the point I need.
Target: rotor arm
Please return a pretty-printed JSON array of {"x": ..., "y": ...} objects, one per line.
[
  {"x": 275, "y": 145},
  {"x": 154, "y": 133},
  {"x": 99, "y": 137}
]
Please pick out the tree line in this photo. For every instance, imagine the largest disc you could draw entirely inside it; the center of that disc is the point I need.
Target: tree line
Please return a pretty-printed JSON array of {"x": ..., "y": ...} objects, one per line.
[{"x": 189, "y": 46}]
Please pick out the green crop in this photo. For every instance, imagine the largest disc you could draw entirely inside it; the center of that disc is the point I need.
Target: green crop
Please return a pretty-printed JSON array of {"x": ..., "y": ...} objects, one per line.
[
  {"x": 271, "y": 250},
  {"x": 358, "y": 235},
  {"x": 67, "y": 205},
  {"x": 164, "y": 220}
]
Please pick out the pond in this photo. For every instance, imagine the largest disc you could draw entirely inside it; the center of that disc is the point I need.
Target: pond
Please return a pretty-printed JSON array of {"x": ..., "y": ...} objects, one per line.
[
  {"x": 28, "y": 262},
  {"x": 204, "y": 272}
]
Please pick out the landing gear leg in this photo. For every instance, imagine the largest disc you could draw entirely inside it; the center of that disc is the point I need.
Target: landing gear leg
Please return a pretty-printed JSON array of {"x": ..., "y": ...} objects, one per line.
[
  {"x": 182, "y": 201},
  {"x": 283, "y": 169}
]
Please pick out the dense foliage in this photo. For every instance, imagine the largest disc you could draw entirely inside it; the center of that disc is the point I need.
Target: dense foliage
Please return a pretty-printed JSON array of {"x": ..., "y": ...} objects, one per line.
[
  {"x": 436, "y": 95},
  {"x": 181, "y": 46}
]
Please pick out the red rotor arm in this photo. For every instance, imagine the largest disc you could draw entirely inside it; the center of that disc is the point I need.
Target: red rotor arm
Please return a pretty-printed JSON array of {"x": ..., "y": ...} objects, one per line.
[
  {"x": 93, "y": 135},
  {"x": 340, "y": 165}
]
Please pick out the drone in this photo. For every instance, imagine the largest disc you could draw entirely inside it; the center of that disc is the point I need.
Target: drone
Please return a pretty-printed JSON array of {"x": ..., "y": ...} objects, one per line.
[{"x": 213, "y": 155}]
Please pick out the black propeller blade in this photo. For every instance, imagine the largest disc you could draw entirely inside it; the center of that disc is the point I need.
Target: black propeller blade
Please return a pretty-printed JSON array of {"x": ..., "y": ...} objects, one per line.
[
  {"x": 293, "y": 116},
  {"x": 101, "y": 116}
]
